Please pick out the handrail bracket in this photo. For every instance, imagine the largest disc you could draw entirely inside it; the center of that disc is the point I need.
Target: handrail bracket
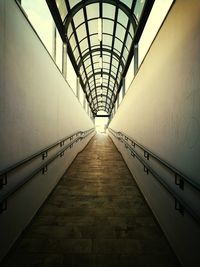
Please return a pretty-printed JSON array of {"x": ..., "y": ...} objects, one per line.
[
  {"x": 44, "y": 169},
  {"x": 45, "y": 154},
  {"x": 3, "y": 181},
  {"x": 146, "y": 155},
  {"x": 179, "y": 181}
]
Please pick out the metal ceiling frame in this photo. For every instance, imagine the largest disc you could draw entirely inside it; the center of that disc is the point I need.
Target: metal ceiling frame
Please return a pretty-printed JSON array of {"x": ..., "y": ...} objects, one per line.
[
  {"x": 84, "y": 3},
  {"x": 103, "y": 50},
  {"x": 123, "y": 61}
]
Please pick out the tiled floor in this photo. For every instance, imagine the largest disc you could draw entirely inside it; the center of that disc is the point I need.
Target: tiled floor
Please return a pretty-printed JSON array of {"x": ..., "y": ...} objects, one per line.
[{"x": 96, "y": 216}]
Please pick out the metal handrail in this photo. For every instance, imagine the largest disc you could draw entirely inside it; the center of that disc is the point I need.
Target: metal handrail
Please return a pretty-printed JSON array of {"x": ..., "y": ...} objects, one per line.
[
  {"x": 35, "y": 155},
  {"x": 42, "y": 167},
  {"x": 39, "y": 153},
  {"x": 153, "y": 155},
  {"x": 180, "y": 204}
]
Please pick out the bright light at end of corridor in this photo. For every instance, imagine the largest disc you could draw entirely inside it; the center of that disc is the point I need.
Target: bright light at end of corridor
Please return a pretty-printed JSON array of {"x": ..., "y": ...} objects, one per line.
[{"x": 101, "y": 124}]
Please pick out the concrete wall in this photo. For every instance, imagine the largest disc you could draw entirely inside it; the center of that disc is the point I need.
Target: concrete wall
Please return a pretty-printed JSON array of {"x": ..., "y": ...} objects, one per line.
[
  {"x": 161, "y": 111},
  {"x": 37, "y": 108}
]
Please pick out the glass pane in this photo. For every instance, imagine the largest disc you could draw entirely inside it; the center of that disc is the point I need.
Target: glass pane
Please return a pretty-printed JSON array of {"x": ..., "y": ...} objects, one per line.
[
  {"x": 111, "y": 83},
  {"x": 107, "y": 40},
  {"x": 76, "y": 53},
  {"x": 83, "y": 76},
  {"x": 92, "y": 11},
  {"x": 94, "y": 40},
  {"x": 120, "y": 31},
  {"x": 128, "y": 42},
  {"x": 120, "y": 68},
  {"x": 122, "y": 18},
  {"x": 113, "y": 73},
  {"x": 62, "y": 8},
  {"x": 72, "y": 42},
  {"x": 96, "y": 66},
  {"x": 90, "y": 73},
  {"x": 125, "y": 54},
  {"x": 108, "y": 11},
  {"x": 106, "y": 60},
  {"x": 109, "y": 94},
  {"x": 106, "y": 65},
  {"x": 93, "y": 94},
  {"x": 87, "y": 62},
  {"x": 108, "y": 26},
  {"x": 81, "y": 32},
  {"x": 70, "y": 30},
  {"x": 89, "y": 69},
  {"x": 86, "y": 50},
  {"x": 78, "y": 18},
  {"x": 83, "y": 44},
  {"x": 138, "y": 8},
  {"x": 112, "y": 98},
  {"x": 95, "y": 58},
  {"x": 115, "y": 63},
  {"x": 118, "y": 44},
  {"x": 116, "y": 51},
  {"x": 93, "y": 26},
  {"x": 131, "y": 31},
  {"x": 81, "y": 70},
  {"x": 91, "y": 84}
]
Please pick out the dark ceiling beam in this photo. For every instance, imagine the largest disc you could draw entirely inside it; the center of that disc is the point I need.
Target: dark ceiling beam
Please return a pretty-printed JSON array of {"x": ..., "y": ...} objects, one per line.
[
  {"x": 56, "y": 15},
  {"x": 102, "y": 116}
]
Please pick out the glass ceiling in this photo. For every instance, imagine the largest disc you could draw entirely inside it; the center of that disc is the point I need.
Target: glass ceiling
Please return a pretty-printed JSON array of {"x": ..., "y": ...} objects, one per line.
[{"x": 99, "y": 35}]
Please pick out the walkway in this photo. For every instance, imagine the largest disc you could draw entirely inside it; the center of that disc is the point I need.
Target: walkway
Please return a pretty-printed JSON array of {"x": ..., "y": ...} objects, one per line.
[{"x": 96, "y": 216}]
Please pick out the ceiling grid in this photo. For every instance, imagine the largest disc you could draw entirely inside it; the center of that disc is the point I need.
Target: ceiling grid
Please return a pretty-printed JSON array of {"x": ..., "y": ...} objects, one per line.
[{"x": 100, "y": 36}]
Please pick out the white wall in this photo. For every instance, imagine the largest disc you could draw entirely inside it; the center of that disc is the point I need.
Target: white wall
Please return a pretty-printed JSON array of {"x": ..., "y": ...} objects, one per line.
[
  {"x": 162, "y": 111},
  {"x": 37, "y": 108}
]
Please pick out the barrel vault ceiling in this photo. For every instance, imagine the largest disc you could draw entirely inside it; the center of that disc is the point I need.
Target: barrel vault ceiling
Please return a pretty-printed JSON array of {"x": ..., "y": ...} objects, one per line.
[{"x": 100, "y": 36}]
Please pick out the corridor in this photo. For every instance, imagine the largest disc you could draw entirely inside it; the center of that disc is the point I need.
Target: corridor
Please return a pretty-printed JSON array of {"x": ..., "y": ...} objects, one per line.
[{"x": 96, "y": 216}]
